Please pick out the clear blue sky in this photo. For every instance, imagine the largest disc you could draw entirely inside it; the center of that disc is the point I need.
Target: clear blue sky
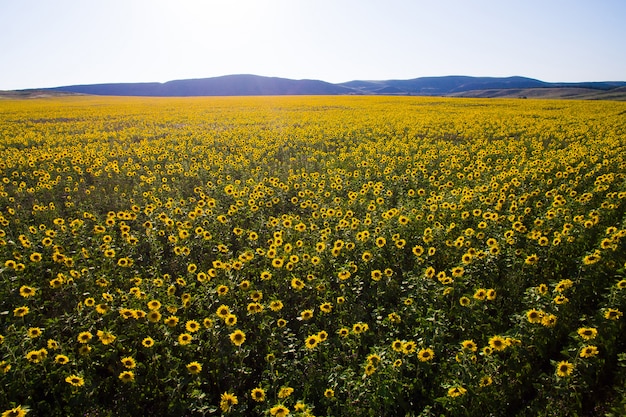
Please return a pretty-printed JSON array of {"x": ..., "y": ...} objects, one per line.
[{"x": 47, "y": 43}]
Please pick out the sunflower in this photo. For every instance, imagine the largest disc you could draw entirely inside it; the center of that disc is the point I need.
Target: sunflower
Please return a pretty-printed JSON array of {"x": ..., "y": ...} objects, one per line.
[
  {"x": 84, "y": 337},
  {"x": 457, "y": 271},
  {"x": 564, "y": 369},
  {"x": 106, "y": 338},
  {"x": 497, "y": 343},
  {"x": 21, "y": 311},
  {"x": 612, "y": 314},
  {"x": 222, "y": 290},
  {"x": 374, "y": 359},
  {"x": 425, "y": 355},
  {"x": 531, "y": 259},
  {"x": 480, "y": 294},
  {"x": 192, "y": 326},
  {"x": 409, "y": 347},
  {"x": 429, "y": 272},
  {"x": 61, "y": 359},
  {"x": 306, "y": 315},
  {"x": 147, "y": 342},
  {"x": 128, "y": 362},
  {"x": 456, "y": 391},
  {"x": 376, "y": 275},
  {"x": 139, "y": 314},
  {"x": 485, "y": 381},
  {"x": 329, "y": 393},
  {"x": 297, "y": 284},
  {"x": 534, "y": 316},
  {"x": 184, "y": 339},
  {"x": 223, "y": 311},
  {"x": 230, "y": 320},
  {"x": 394, "y": 318},
  {"x": 255, "y": 308},
  {"x": 258, "y": 394},
  {"x": 311, "y": 341},
  {"x": 469, "y": 345},
  {"x": 127, "y": 376},
  {"x": 279, "y": 411},
  {"x": 343, "y": 332},
  {"x": 35, "y": 257},
  {"x": 237, "y": 337},
  {"x": 194, "y": 368},
  {"x": 15, "y": 412},
  {"x": 326, "y": 307},
  {"x": 467, "y": 258},
  {"x": 26, "y": 291},
  {"x": 397, "y": 345},
  {"x": 587, "y": 333},
  {"x": 171, "y": 321},
  {"x": 588, "y": 351},
  {"x": 344, "y": 275},
  {"x": 548, "y": 320},
  {"x": 75, "y": 381},
  {"x": 563, "y": 285},
  {"x": 418, "y": 250},
  {"x": 285, "y": 392},
  {"x": 591, "y": 259},
  {"x": 464, "y": 301},
  {"x": 34, "y": 332},
  {"x": 154, "y": 316}
]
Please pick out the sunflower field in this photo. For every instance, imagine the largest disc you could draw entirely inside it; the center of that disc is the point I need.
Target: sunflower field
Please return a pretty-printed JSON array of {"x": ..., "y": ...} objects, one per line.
[{"x": 328, "y": 256}]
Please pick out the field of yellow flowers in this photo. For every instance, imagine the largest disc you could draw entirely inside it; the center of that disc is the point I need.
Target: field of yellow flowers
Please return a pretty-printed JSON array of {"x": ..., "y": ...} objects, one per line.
[{"x": 309, "y": 256}]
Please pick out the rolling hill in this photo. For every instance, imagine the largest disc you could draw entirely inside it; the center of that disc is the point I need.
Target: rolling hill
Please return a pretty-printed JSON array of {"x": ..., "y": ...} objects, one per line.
[
  {"x": 254, "y": 85},
  {"x": 228, "y": 85}
]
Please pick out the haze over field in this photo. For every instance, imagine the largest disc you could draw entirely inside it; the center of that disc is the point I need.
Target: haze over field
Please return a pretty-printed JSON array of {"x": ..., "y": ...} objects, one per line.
[{"x": 69, "y": 42}]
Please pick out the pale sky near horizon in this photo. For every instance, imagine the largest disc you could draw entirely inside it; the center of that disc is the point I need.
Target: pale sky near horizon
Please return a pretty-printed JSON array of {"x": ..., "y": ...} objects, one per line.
[{"x": 45, "y": 43}]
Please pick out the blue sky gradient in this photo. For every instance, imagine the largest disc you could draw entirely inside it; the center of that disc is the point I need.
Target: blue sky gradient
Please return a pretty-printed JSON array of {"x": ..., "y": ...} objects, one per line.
[{"x": 63, "y": 42}]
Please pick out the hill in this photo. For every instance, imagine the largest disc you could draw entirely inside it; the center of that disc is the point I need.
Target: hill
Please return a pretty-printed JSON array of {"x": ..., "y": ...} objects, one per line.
[
  {"x": 574, "y": 93},
  {"x": 254, "y": 85},
  {"x": 228, "y": 85}
]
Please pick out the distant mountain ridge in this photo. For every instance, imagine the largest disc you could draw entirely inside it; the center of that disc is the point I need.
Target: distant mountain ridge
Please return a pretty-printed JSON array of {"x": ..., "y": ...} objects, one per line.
[
  {"x": 255, "y": 85},
  {"x": 227, "y": 85},
  {"x": 455, "y": 84}
]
